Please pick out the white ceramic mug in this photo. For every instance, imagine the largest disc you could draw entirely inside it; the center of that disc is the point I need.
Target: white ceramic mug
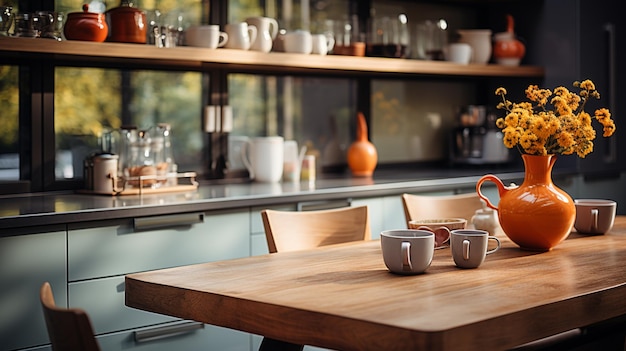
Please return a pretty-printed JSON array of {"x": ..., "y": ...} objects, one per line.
[
  {"x": 407, "y": 251},
  {"x": 267, "y": 29},
  {"x": 299, "y": 41},
  {"x": 322, "y": 44},
  {"x": 207, "y": 36},
  {"x": 460, "y": 53},
  {"x": 469, "y": 247},
  {"x": 594, "y": 216},
  {"x": 263, "y": 157},
  {"x": 240, "y": 35}
]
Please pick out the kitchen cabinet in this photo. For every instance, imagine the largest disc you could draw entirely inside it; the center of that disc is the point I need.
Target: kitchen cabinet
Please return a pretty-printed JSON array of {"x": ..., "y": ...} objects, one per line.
[
  {"x": 27, "y": 259},
  {"x": 101, "y": 253}
]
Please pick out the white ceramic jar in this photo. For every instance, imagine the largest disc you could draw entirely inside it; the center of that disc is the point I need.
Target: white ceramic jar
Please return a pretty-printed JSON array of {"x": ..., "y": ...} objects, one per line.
[
  {"x": 480, "y": 41},
  {"x": 485, "y": 219}
]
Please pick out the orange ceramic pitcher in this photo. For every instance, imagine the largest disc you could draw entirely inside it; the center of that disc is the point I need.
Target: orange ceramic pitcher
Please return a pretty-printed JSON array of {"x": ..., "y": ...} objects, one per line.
[{"x": 536, "y": 215}]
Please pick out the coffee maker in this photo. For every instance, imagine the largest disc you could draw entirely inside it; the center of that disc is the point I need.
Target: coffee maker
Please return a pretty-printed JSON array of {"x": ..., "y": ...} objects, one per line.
[{"x": 476, "y": 139}]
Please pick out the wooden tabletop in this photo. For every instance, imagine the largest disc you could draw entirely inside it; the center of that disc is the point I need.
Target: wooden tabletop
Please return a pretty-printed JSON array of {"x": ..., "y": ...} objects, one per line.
[{"x": 342, "y": 296}]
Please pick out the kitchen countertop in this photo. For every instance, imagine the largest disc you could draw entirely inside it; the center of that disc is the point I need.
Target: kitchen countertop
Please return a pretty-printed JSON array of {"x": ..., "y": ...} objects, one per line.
[{"x": 59, "y": 208}]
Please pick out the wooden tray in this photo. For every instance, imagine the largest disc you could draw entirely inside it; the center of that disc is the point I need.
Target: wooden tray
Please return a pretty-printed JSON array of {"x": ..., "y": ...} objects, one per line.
[{"x": 190, "y": 177}]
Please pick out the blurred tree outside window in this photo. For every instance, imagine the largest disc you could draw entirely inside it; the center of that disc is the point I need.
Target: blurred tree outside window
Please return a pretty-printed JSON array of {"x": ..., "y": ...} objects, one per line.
[{"x": 9, "y": 123}]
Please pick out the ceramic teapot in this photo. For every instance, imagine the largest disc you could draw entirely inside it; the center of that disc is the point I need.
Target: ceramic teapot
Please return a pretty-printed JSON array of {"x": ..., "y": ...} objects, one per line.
[
  {"x": 86, "y": 26},
  {"x": 127, "y": 24}
]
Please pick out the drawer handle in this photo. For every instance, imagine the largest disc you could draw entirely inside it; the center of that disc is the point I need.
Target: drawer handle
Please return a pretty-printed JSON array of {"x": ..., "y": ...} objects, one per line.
[
  {"x": 167, "y": 331},
  {"x": 323, "y": 205},
  {"x": 185, "y": 219}
]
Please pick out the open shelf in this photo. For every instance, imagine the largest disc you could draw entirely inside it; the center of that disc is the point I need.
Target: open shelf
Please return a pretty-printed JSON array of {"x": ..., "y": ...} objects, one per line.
[{"x": 193, "y": 58}]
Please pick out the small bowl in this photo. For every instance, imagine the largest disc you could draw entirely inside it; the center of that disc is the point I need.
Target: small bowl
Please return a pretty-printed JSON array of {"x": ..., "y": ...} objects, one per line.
[{"x": 434, "y": 223}]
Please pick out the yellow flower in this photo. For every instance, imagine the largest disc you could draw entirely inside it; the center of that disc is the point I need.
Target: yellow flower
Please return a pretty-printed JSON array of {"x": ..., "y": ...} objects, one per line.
[{"x": 553, "y": 122}]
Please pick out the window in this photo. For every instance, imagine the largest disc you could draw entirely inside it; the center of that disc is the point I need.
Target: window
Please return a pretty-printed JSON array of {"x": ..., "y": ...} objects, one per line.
[{"x": 9, "y": 120}]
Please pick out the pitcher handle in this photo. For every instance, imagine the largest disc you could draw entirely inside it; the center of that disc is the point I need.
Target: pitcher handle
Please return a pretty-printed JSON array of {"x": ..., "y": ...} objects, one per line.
[
  {"x": 273, "y": 28},
  {"x": 499, "y": 185},
  {"x": 244, "y": 157}
]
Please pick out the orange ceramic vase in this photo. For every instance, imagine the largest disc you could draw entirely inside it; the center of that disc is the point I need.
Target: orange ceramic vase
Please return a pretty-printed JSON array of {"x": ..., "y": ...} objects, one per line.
[
  {"x": 507, "y": 49},
  {"x": 362, "y": 155},
  {"x": 536, "y": 215}
]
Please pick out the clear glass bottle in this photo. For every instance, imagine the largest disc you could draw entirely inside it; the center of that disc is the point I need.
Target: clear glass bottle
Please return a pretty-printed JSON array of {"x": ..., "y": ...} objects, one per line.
[
  {"x": 166, "y": 166},
  {"x": 128, "y": 135}
]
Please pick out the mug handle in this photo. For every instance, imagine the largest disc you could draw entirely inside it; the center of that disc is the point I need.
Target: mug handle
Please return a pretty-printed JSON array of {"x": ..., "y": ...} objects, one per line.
[
  {"x": 273, "y": 28},
  {"x": 244, "y": 157},
  {"x": 252, "y": 33},
  {"x": 330, "y": 43},
  {"x": 223, "y": 39},
  {"x": 594, "y": 220},
  {"x": 442, "y": 235},
  {"x": 406, "y": 256},
  {"x": 489, "y": 252}
]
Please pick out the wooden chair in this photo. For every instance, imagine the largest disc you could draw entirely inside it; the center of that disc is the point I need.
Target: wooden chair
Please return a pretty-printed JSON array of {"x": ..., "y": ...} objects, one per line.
[
  {"x": 447, "y": 206},
  {"x": 69, "y": 329},
  {"x": 292, "y": 230}
]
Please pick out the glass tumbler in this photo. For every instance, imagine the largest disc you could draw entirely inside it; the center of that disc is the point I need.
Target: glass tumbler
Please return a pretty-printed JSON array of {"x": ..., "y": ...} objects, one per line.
[
  {"x": 6, "y": 20},
  {"x": 26, "y": 25},
  {"x": 388, "y": 37},
  {"x": 50, "y": 24}
]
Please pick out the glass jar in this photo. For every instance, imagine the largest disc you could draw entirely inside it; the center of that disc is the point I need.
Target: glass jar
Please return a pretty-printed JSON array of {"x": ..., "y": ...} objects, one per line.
[{"x": 142, "y": 170}]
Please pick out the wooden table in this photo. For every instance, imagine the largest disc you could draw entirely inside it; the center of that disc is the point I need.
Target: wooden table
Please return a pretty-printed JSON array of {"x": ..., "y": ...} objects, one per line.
[{"x": 342, "y": 296}]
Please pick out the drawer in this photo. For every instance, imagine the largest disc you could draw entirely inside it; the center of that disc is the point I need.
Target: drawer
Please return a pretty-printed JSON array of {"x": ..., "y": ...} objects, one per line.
[
  {"x": 208, "y": 338},
  {"x": 26, "y": 261},
  {"x": 110, "y": 248},
  {"x": 104, "y": 300}
]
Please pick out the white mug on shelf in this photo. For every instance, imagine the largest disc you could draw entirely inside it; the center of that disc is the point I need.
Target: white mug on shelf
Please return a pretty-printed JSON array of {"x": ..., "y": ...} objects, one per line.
[
  {"x": 458, "y": 53},
  {"x": 240, "y": 35},
  {"x": 299, "y": 41},
  {"x": 208, "y": 36},
  {"x": 322, "y": 44}
]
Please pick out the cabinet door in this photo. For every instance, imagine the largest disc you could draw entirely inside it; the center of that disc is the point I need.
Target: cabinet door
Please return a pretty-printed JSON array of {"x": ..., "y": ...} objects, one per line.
[
  {"x": 209, "y": 338},
  {"x": 26, "y": 261},
  {"x": 115, "y": 247}
]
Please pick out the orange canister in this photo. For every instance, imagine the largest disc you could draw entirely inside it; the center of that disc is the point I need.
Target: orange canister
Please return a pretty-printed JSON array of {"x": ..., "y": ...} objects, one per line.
[
  {"x": 86, "y": 26},
  {"x": 127, "y": 24}
]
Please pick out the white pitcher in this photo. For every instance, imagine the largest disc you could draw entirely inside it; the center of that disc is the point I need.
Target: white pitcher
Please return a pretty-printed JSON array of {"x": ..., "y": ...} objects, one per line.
[
  {"x": 267, "y": 29},
  {"x": 263, "y": 157},
  {"x": 240, "y": 35}
]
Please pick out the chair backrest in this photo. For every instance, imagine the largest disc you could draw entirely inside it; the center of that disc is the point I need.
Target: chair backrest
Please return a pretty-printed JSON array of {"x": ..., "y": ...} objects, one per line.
[
  {"x": 69, "y": 329},
  {"x": 293, "y": 230},
  {"x": 446, "y": 206}
]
